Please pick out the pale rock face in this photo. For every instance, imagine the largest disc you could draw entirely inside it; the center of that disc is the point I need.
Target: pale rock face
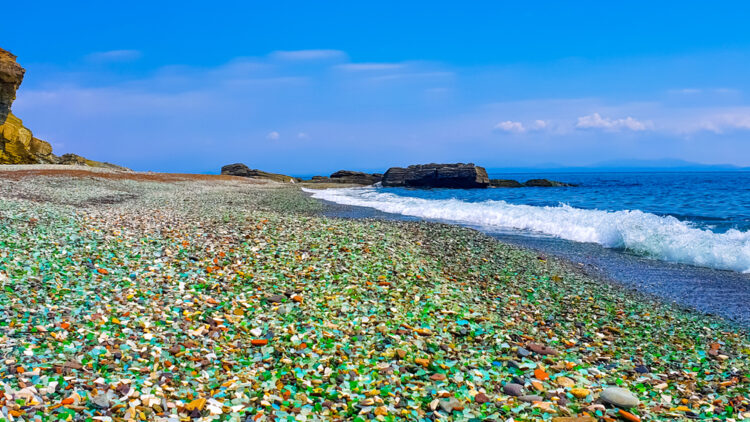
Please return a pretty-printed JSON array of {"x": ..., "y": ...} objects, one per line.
[
  {"x": 24, "y": 137},
  {"x": 40, "y": 148}
]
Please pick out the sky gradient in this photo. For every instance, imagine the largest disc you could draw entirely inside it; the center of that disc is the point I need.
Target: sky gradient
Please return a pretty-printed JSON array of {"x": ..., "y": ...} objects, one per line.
[{"x": 313, "y": 87}]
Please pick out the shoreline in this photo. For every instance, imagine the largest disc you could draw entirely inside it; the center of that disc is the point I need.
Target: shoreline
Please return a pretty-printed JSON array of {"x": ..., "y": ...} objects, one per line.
[
  {"x": 712, "y": 292},
  {"x": 222, "y": 298},
  {"x": 587, "y": 270}
]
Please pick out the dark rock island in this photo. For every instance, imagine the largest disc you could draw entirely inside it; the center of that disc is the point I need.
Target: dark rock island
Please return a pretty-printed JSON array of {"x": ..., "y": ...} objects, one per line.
[
  {"x": 531, "y": 183},
  {"x": 459, "y": 176},
  {"x": 350, "y": 177},
  {"x": 545, "y": 183},
  {"x": 505, "y": 183}
]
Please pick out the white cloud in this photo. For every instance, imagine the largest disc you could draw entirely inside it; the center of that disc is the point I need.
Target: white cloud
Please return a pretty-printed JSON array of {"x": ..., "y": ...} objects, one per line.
[
  {"x": 114, "y": 56},
  {"x": 596, "y": 121},
  {"x": 696, "y": 91},
  {"x": 273, "y": 135},
  {"x": 738, "y": 121},
  {"x": 298, "y": 55},
  {"x": 510, "y": 126},
  {"x": 518, "y": 127},
  {"x": 370, "y": 66},
  {"x": 415, "y": 75},
  {"x": 303, "y": 135},
  {"x": 725, "y": 122},
  {"x": 726, "y": 91},
  {"x": 685, "y": 91}
]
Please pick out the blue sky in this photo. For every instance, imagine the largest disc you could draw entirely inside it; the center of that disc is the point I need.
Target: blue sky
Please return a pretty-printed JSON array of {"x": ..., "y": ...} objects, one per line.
[{"x": 312, "y": 87}]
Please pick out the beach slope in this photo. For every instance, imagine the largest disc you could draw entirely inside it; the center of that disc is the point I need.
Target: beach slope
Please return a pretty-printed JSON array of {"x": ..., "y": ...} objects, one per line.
[{"x": 141, "y": 296}]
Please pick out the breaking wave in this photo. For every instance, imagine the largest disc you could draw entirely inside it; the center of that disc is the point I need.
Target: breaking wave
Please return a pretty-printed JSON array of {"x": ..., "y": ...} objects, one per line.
[{"x": 660, "y": 237}]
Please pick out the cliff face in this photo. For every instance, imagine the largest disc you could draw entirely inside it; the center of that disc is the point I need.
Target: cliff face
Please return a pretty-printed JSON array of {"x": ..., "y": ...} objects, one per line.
[
  {"x": 17, "y": 144},
  {"x": 11, "y": 75}
]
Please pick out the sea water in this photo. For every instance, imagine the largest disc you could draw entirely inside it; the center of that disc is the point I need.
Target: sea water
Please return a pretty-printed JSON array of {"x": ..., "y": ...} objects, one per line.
[
  {"x": 682, "y": 237},
  {"x": 700, "y": 219}
]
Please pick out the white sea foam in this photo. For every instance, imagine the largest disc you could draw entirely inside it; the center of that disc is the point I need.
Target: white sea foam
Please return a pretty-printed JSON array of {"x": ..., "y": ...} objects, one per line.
[{"x": 661, "y": 237}]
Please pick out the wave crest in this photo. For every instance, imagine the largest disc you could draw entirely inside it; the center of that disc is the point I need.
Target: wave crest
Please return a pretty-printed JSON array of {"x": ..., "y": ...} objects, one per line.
[{"x": 661, "y": 237}]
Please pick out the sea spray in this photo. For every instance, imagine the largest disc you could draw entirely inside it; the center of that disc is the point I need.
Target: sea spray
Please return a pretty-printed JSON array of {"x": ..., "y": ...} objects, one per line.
[{"x": 660, "y": 237}]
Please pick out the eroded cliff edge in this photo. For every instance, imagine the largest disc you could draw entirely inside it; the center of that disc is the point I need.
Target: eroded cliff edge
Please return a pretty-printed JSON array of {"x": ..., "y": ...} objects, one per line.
[{"x": 17, "y": 143}]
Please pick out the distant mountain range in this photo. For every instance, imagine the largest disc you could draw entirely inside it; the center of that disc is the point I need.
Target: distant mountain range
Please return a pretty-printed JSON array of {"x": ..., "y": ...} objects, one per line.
[{"x": 622, "y": 166}]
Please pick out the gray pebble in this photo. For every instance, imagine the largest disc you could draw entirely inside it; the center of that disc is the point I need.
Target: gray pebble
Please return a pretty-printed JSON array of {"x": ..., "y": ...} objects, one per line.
[
  {"x": 513, "y": 389},
  {"x": 619, "y": 397}
]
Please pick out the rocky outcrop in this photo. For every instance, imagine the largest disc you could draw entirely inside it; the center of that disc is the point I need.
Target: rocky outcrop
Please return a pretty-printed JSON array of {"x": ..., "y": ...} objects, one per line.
[
  {"x": 458, "y": 176},
  {"x": 505, "y": 183},
  {"x": 533, "y": 183},
  {"x": 241, "y": 170},
  {"x": 11, "y": 76},
  {"x": 355, "y": 177},
  {"x": 349, "y": 177},
  {"x": 17, "y": 144},
  {"x": 77, "y": 160},
  {"x": 545, "y": 183}
]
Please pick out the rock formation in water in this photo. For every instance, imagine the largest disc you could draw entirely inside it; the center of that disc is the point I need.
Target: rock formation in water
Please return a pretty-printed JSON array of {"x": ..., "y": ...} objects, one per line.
[
  {"x": 546, "y": 183},
  {"x": 239, "y": 169},
  {"x": 356, "y": 177},
  {"x": 17, "y": 144},
  {"x": 459, "y": 176},
  {"x": 350, "y": 178},
  {"x": 533, "y": 183},
  {"x": 505, "y": 183}
]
